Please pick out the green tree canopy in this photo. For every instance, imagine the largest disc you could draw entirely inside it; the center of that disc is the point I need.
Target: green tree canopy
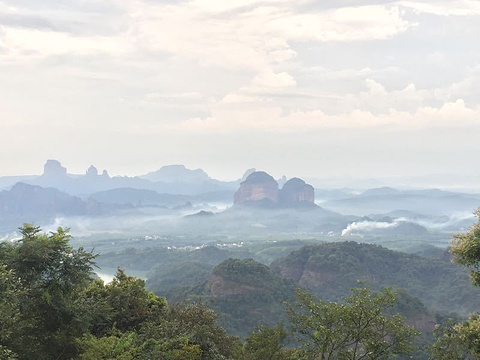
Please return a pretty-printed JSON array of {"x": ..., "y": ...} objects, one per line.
[
  {"x": 462, "y": 340},
  {"x": 466, "y": 249},
  {"x": 48, "y": 275},
  {"x": 357, "y": 328},
  {"x": 52, "y": 307},
  {"x": 266, "y": 343}
]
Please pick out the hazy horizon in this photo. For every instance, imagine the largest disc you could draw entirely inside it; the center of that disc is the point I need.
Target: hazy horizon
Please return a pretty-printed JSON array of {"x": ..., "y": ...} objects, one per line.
[{"x": 454, "y": 182}]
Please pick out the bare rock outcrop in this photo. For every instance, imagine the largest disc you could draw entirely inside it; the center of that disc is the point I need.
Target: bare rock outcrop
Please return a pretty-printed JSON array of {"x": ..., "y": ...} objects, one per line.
[
  {"x": 296, "y": 192},
  {"x": 91, "y": 172},
  {"x": 259, "y": 186}
]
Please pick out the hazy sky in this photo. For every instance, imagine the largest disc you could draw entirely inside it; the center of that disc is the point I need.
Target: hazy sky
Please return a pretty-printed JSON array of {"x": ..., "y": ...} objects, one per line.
[{"x": 322, "y": 88}]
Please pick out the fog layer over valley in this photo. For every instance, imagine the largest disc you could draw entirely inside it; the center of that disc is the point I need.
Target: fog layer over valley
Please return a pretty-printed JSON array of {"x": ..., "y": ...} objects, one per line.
[{"x": 177, "y": 200}]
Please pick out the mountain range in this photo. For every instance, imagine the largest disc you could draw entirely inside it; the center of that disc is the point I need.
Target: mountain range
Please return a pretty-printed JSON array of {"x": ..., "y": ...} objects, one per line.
[
  {"x": 172, "y": 179},
  {"x": 254, "y": 204}
]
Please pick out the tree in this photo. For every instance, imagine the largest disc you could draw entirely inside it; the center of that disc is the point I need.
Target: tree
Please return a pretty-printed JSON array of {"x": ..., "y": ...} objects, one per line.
[
  {"x": 466, "y": 249},
  {"x": 462, "y": 340},
  {"x": 124, "y": 304},
  {"x": 266, "y": 343},
  {"x": 129, "y": 322},
  {"x": 196, "y": 325},
  {"x": 52, "y": 307},
  {"x": 120, "y": 346},
  {"x": 49, "y": 274},
  {"x": 9, "y": 310},
  {"x": 354, "y": 329},
  {"x": 456, "y": 340}
]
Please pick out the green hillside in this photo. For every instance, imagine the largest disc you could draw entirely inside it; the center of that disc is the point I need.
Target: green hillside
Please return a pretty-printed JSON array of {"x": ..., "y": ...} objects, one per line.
[
  {"x": 245, "y": 293},
  {"x": 331, "y": 270}
]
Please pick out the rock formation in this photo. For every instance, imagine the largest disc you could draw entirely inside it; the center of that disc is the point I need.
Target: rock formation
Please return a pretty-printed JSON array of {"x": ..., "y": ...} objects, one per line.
[
  {"x": 296, "y": 192},
  {"x": 259, "y": 186},
  {"x": 92, "y": 172},
  {"x": 54, "y": 169}
]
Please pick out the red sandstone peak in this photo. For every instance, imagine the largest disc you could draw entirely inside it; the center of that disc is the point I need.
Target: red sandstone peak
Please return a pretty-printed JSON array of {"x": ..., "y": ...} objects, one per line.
[
  {"x": 257, "y": 187},
  {"x": 262, "y": 188}
]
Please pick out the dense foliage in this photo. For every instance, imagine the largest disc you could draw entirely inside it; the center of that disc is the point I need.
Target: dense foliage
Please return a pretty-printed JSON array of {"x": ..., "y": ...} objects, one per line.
[
  {"x": 46, "y": 275},
  {"x": 52, "y": 307},
  {"x": 462, "y": 340},
  {"x": 466, "y": 250},
  {"x": 356, "y": 328},
  {"x": 331, "y": 270},
  {"x": 247, "y": 294}
]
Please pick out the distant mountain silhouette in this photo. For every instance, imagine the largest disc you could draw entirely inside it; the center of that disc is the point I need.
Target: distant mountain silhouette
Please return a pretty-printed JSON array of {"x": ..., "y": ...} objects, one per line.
[
  {"x": 381, "y": 191},
  {"x": 139, "y": 197},
  {"x": 30, "y": 203},
  {"x": 174, "y": 179},
  {"x": 6, "y": 182},
  {"x": 261, "y": 205},
  {"x": 177, "y": 173},
  {"x": 431, "y": 202},
  {"x": 143, "y": 197}
]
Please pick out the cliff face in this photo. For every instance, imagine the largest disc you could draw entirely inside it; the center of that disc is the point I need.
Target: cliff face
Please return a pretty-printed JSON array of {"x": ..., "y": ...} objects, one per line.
[
  {"x": 261, "y": 187},
  {"x": 296, "y": 191},
  {"x": 257, "y": 187}
]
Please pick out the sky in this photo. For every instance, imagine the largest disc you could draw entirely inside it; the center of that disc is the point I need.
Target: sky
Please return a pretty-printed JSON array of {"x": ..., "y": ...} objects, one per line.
[{"x": 325, "y": 89}]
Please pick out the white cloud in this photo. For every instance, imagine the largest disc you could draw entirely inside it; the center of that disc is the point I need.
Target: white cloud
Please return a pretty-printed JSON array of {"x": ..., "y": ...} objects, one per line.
[
  {"x": 257, "y": 36},
  {"x": 189, "y": 96},
  {"x": 344, "y": 24},
  {"x": 468, "y": 86},
  {"x": 2, "y": 40},
  {"x": 271, "y": 80},
  {"x": 187, "y": 99},
  {"x": 402, "y": 109},
  {"x": 31, "y": 43},
  {"x": 253, "y": 37},
  {"x": 445, "y": 8},
  {"x": 259, "y": 114},
  {"x": 323, "y": 73},
  {"x": 379, "y": 100}
]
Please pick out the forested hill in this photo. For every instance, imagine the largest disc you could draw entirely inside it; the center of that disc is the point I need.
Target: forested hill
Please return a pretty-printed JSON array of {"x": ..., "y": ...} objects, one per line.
[
  {"x": 247, "y": 293},
  {"x": 332, "y": 269}
]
